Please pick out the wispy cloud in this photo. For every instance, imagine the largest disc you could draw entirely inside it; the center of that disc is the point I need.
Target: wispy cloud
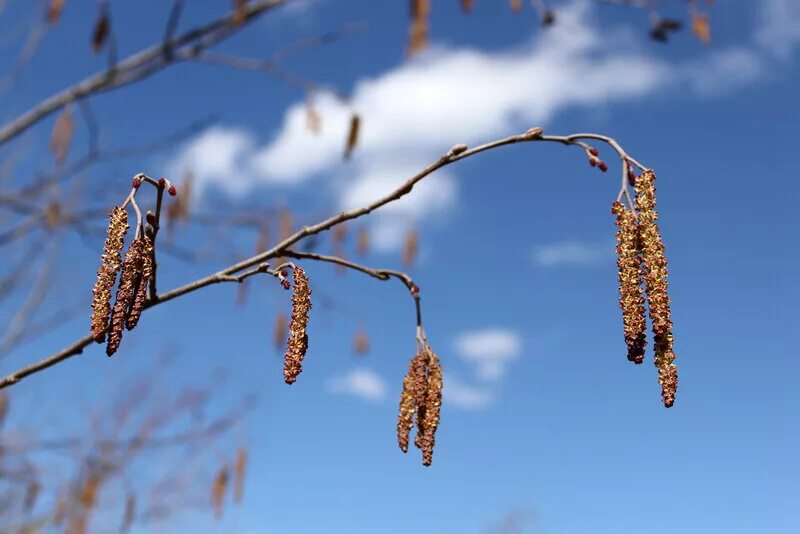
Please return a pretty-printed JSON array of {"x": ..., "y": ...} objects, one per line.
[
  {"x": 464, "y": 396},
  {"x": 415, "y": 111},
  {"x": 362, "y": 383},
  {"x": 573, "y": 253},
  {"x": 779, "y": 26},
  {"x": 490, "y": 350}
]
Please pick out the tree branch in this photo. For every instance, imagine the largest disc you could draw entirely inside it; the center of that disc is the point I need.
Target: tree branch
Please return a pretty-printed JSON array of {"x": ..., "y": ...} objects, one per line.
[
  {"x": 140, "y": 65},
  {"x": 282, "y": 249}
]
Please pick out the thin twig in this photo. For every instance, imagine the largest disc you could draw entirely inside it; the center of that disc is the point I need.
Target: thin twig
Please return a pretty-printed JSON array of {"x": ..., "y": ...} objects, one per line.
[
  {"x": 139, "y": 65},
  {"x": 457, "y": 153}
]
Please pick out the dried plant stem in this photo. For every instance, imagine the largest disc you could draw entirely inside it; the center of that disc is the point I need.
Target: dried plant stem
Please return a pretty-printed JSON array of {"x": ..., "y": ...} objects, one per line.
[{"x": 455, "y": 154}]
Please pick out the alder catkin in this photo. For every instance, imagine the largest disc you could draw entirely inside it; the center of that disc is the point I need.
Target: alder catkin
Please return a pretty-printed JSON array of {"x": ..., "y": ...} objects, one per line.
[
  {"x": 420, "y": 402},
  {"x": 655, "y": 271},
  {"x": 631, "y": 300},
  {"x": 298, "y": 336},
  {"x": 411, "y": 398},
  {"x": 218, "y": 490},
  {"x": 433, "y": 403},
  {"x": 131, "y": 271},
  {"x": 140, "y": 295},
  {"x": 110, "y": 263},
  {"x": 238, "y": 475}
]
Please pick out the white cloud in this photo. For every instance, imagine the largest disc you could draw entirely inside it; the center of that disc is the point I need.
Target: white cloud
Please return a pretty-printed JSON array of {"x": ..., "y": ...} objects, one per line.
[
  {"x": 362, "y": 383},
  {"x": 573, "y": 253},
  {"x": 490, "y": 350},
  {"x": 779, "y": 26},
  {"x": 219, "y": 155},
  {"x": 415, "y": 111},
  {"x": 466, "y": 397}
]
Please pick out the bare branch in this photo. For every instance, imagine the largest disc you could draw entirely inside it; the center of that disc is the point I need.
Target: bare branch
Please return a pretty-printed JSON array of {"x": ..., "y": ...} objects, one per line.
[
  {"x": 140, "y": 65},
  {"x": 457, "y": 153}
]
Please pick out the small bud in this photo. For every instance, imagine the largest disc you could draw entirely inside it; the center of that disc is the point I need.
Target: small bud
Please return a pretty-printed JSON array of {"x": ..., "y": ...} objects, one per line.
[
  {"x": 414, "y": 289},
  {"x": 136, "y": 182},
  {"x": 285, "y": 283},
  {"x": 593, "y": 151},
  {"x": 533, "y": 133},
  {"x": 171, "y": 190},
  {"x": 593, "y": 161},
  {"x": 162, "y": 181},
  {"x": 150, "y": 218},
  {"x": 458, "y": 149},
  {"x": 631, "y": 176},
  {"x": 602, "y": 166}
]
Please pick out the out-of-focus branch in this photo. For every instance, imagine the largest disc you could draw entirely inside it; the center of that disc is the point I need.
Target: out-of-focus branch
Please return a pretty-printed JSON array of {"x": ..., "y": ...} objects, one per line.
[
  {"x": 142, "y": 64},
  {"x": 455, "y": 154}
]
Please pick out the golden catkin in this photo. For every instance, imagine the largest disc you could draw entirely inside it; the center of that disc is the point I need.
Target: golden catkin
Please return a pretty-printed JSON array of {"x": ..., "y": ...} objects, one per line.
[
  {"x": 433, "y": 403},
  {"x": 655, "y": 274},
  {"x": 131, "y": 271},
  {"x": 352, "y": 135},
  {"x": 420, "y": 402},
  {"x": 140, "y": 295},
  {"x": 218, "y": 491},
  {"x": 631, "y": 300},
  {"x": 298, "y": 335},
  {"x": 110, "y": 263},
  {"x": 238, "y": 475},
  {"x": 411, "y": 398},
  {"x": 418, "y": 35}
]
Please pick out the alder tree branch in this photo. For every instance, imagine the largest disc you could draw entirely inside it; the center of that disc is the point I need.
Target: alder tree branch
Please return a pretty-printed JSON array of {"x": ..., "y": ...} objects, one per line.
[
  {"x": 283, "y": 248},
  {"x": 142, "y": 64}
]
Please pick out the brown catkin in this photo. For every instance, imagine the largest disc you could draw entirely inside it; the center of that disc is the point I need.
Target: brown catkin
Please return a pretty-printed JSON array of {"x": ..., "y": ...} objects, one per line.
[
  {"x": 420, "y": 401},
  {"x": 140, "y": 296},
  {"x": 218, "y": 490},
  {"x": 655, "y": 274},
  {"x": 131, "y": 271},
  {"x": 433, "y": 403},
  {"x": 631, "y": 300},
  {"x": 411, "y": 398},
  {"x": 238, "y": 475},
  {"x": 110, "y": 263},
  {"x": 298, "y": 336}
]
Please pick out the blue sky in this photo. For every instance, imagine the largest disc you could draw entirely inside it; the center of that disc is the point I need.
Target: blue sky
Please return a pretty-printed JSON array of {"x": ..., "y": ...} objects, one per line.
[{"x": 544, "y": 419}]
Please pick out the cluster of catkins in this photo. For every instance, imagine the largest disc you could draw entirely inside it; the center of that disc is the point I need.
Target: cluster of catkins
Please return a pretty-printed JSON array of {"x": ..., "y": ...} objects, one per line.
[
  {"x": 421, "y": 400},
  {"x": 643, "y": 278},
  {"x": 136, "y": 270}
]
